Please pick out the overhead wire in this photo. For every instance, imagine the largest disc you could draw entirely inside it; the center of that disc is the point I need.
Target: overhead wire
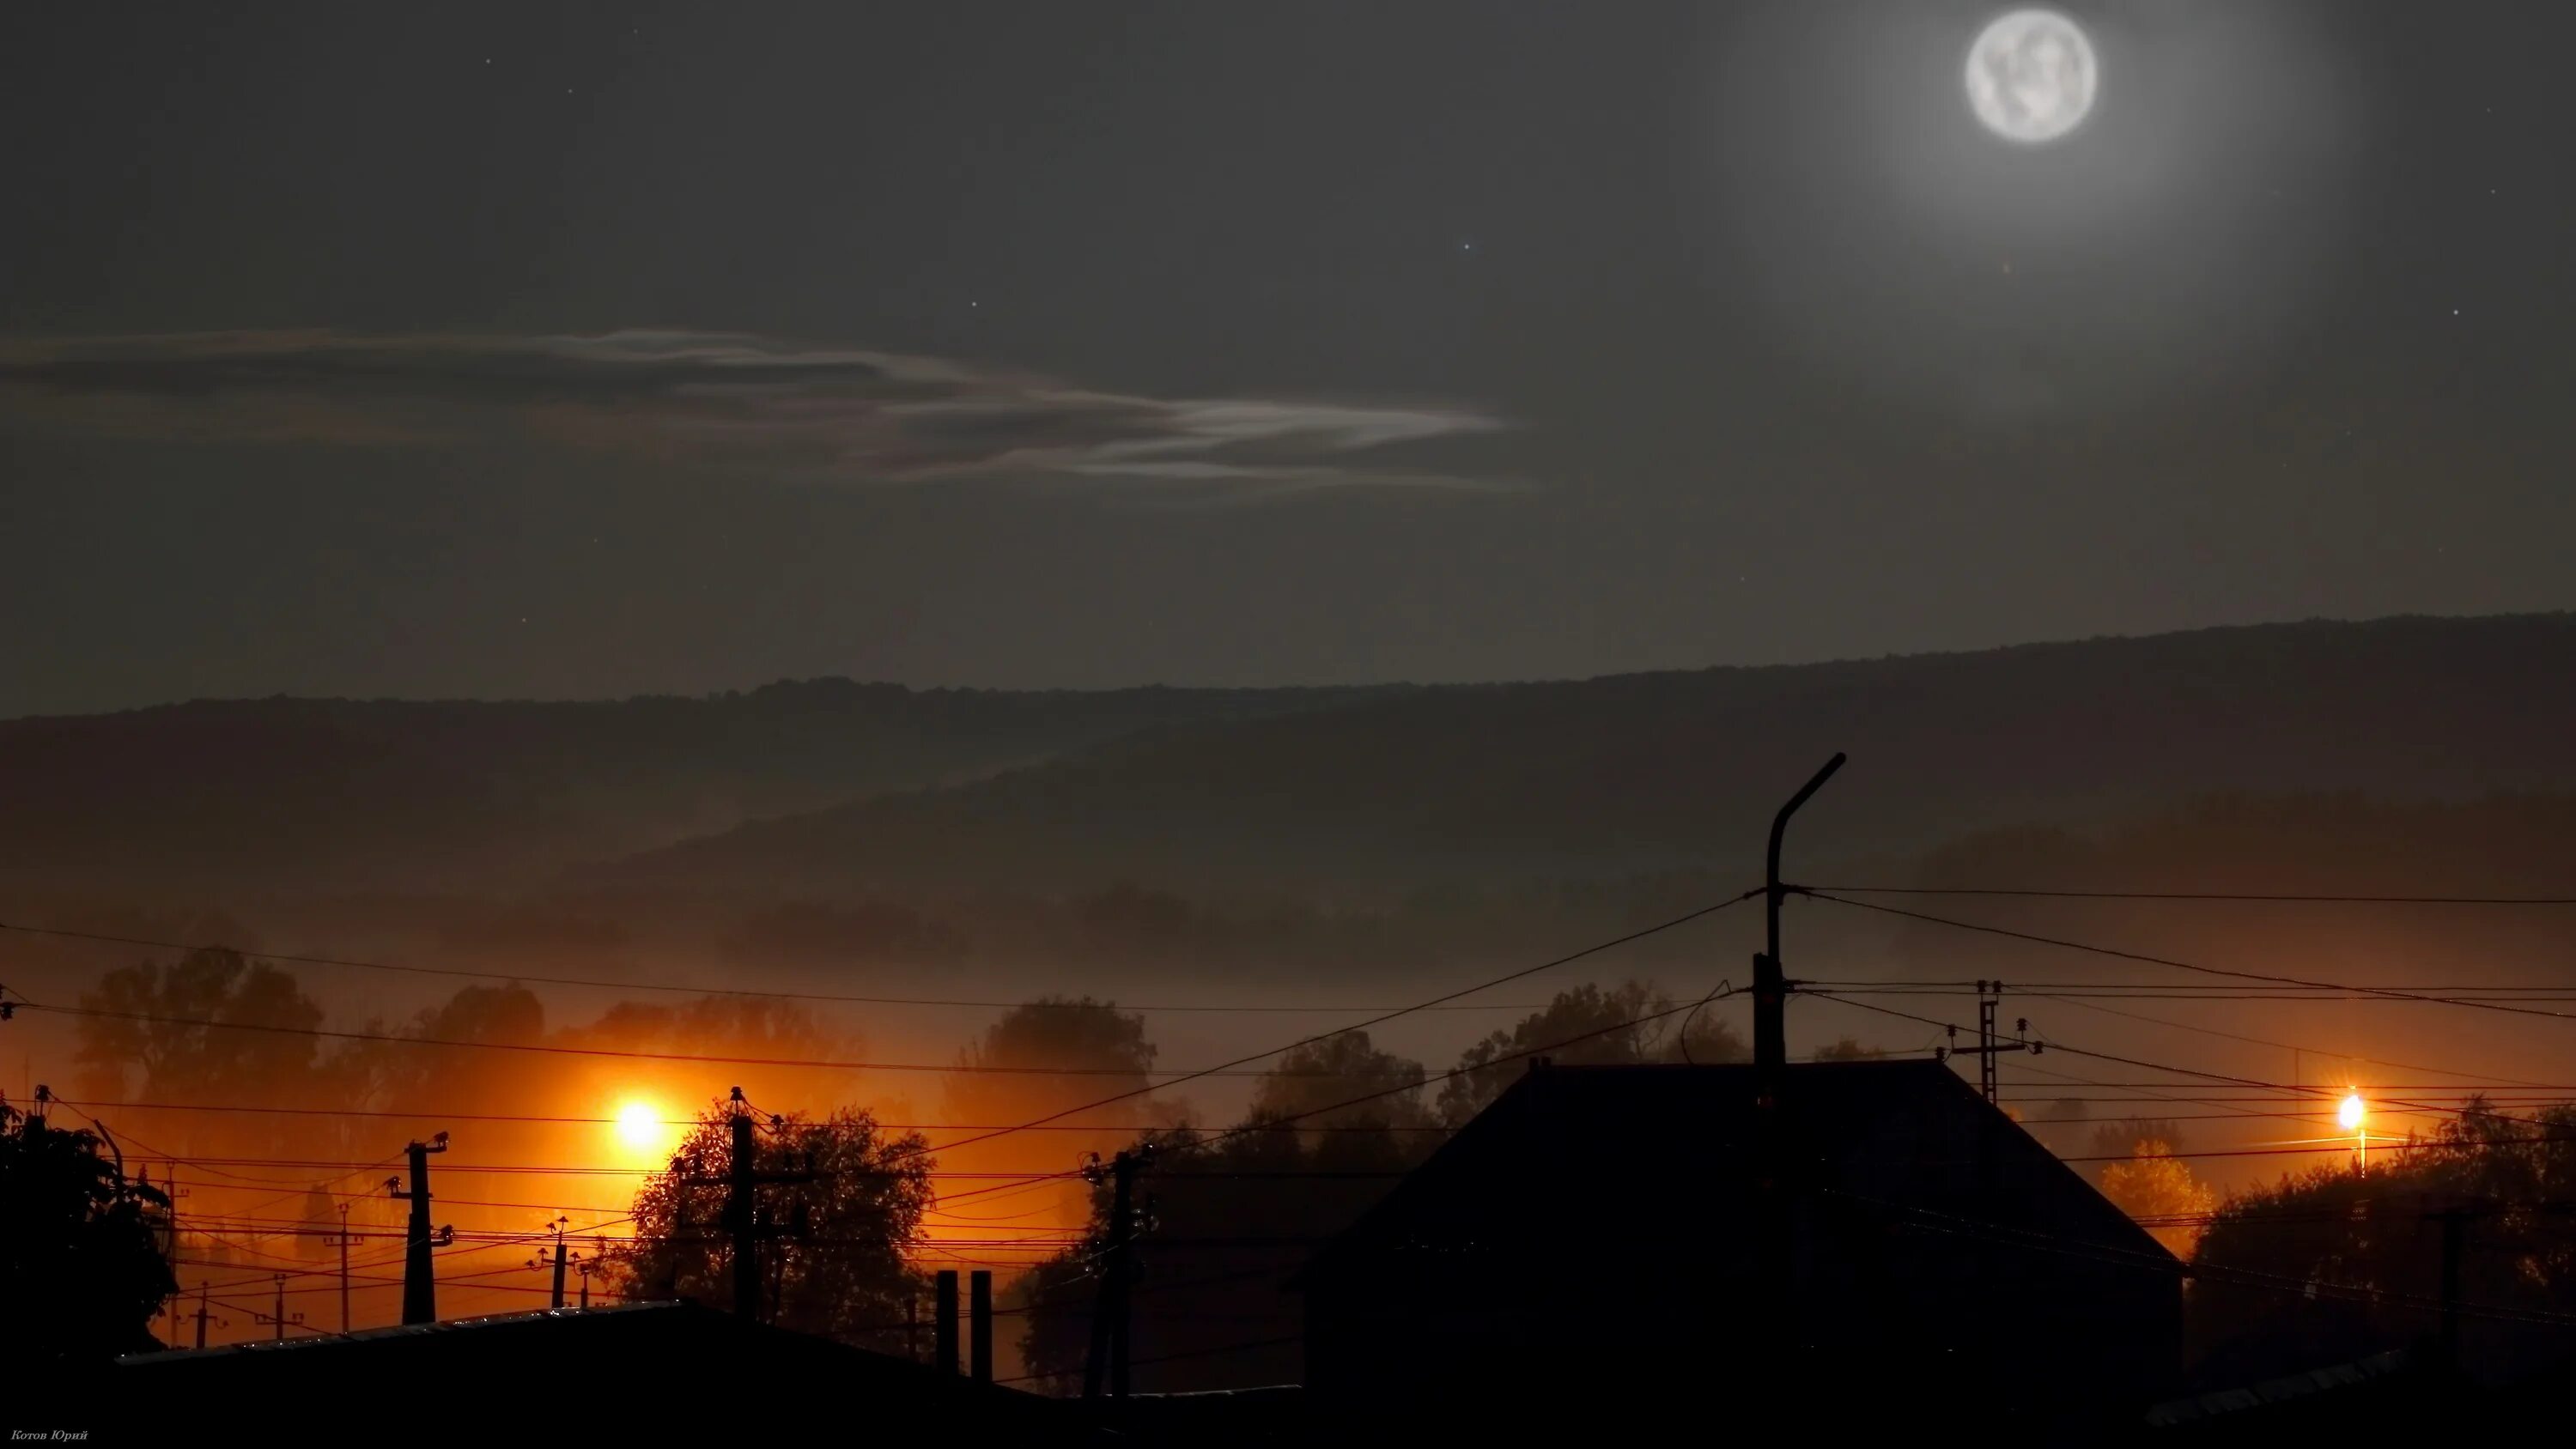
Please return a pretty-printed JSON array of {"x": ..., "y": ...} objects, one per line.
[
  {"x": 2153, "y": 960},
  {"x": 2295, "y": 897}
]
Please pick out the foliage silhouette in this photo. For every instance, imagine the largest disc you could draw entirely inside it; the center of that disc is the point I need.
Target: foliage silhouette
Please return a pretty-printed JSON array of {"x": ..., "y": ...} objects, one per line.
[
  {"x": 82, "y": 1271},
  {"x": 833, "y": 1247}
]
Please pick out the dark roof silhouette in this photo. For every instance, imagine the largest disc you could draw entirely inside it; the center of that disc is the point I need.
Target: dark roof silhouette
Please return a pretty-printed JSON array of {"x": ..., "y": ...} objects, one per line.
[
  {"x": 1607, "y": 1225},
  {"x": 1863, "y": 1129},
  {"x": 647, "y": 1368}
]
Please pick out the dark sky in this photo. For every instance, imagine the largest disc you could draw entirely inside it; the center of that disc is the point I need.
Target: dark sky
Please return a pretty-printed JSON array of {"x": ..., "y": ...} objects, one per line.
[{"x": 584, "y": 350}]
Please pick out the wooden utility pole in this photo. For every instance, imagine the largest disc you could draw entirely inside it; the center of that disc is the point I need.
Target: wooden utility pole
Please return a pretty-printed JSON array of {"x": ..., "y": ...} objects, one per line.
[
  {"x": 420, "y": 1284},
  {"x": 739, "y": 1204},
  {"x": 341, "y": 1241},
  {"x": 743, "y": 1225},
  {"x": 280, "y": 1317},
  {"x": 557, "y": 1301},
  {"x": 1109, "y": 1319},
  {"x": 203, "y": 1315}
]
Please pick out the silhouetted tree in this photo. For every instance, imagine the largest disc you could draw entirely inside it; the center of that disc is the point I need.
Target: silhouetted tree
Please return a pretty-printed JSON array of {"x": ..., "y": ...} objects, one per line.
[
  {"x": 175, "y": 1055},
  {"x": 1227, "y": 1224},
  {"x": 421, "y": 1079},
  {"x": 81, "y": 1268},
  {"x": 1101, "y": 1050},
  {"x": 835, "y": 1262},
  {"x": 1045, "y": 1057},
  {"x": 2115, "y": 1142},
  {"x": 2158, "y": 1190},
  {"x": 1586, "y": 1026},
  {"x": 1309, "y": 1085},
  {"x": 2362, "y": 1251},
  {"x": 1849, "y": 1049}
]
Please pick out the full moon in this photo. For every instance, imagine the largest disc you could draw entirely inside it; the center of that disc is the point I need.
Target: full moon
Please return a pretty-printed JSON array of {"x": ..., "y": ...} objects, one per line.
[{"x": 2031, "y": 76}]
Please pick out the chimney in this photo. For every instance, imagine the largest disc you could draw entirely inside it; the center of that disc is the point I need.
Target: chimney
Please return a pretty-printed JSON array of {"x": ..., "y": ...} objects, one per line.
[
  {"x": 979, "y": 1337},
  {"x": 943, "y": 1325}
]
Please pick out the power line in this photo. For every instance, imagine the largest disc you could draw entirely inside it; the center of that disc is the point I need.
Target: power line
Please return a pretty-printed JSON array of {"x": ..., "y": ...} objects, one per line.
[
  {"x": 2253, "y": 896},
  {"x": 2300, "y": 1091},
  {"x": 1593, "y": 950},
  {"x": 2278, "y": 1045},
  {"x": 2202, "y": 990},
  {"x": 2337, "y": 1146},
  {"x": 1285, "y": 1120},
  {"x": 2187, "y": 965}
]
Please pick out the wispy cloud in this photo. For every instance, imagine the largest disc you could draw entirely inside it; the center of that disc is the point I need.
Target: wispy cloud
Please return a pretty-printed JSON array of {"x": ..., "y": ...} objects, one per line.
[{"x": 818, "y": 412}]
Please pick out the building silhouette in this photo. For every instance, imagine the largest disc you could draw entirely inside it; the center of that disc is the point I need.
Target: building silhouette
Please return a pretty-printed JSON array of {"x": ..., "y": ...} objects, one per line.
[{"x": 1602, "y": 1227}]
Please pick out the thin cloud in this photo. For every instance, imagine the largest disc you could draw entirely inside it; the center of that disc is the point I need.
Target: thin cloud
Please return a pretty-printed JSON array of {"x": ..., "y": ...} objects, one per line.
[{"x": 840, "y": 414}]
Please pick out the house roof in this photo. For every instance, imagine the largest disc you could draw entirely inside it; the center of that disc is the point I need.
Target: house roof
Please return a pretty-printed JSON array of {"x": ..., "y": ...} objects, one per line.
[
  {"x": 643, "y": 1361},
  {"x": 1564, "y": 1139}
]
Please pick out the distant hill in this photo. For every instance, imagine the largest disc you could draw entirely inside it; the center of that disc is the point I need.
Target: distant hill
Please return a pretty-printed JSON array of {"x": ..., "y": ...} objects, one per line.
[
  {"x": 1681, "y": 771},
  {"x": 306, "y": 795}
]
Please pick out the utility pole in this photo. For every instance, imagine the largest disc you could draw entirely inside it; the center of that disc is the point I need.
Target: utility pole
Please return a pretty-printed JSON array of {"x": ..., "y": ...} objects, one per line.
[
  {"x": 557, "y": 1259},
  {"x": 341, "y": 1241},
  {"x": 1109, "y": 1319},
  {"x": 280, "y": 1317},
  {"x": 743, "y": 1224},
  {"x": 1989, "y": 1046},
  {"x": 739, "y": 1212},
  {"x": 203, "y": 1315},
  {"x": 420, "y": 1286},
  {"x": 167, "y": 1237}
]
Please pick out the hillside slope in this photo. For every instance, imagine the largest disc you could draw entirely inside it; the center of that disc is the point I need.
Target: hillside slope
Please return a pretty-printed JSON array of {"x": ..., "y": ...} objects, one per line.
[
  {"x": 1675, "y": 771},
  {"x": 317, "y": 795}
]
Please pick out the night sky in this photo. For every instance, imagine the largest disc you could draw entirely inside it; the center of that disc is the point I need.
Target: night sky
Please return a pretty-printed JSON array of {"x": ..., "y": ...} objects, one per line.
[{"x": 588, "y": 350}]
